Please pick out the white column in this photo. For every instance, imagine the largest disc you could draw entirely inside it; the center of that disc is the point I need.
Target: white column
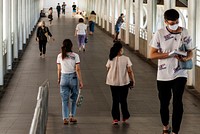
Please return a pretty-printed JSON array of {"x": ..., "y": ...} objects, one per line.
[
  {"x": 127, "y": 21},
  {"x": 15, "y": 27},
  {"x": 100, "y": 6},
  {"x": 103, "y": 13},
  {"x": 107, "y": 14},
  {"x": 113, "y": 16},
  {"x": 9, "y": 45},
  {"x": 96, "y": 10},
  {"x": 151, "y": 9},
  {"x": 192, "y": 8},
  {"x": 119, "y": 11},
  {"x": 1, "y": 42},
  {"x": 169, "y": 4},
  {"x": 138, "y": 6},
  {"x": 24, "y": 20},
  {"x": 20, "y": 30}
]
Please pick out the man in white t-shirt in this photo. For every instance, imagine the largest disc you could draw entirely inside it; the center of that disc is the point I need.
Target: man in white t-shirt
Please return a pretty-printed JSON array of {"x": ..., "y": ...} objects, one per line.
[{"x": 171, "y": 79}]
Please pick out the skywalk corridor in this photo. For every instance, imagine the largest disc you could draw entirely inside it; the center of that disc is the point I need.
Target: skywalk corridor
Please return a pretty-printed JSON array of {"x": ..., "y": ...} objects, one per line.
[{"x": 94, "y": 116}]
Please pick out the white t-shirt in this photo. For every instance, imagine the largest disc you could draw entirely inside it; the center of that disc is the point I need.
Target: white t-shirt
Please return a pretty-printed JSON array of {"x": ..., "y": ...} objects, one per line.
[
  {"x": 118, "y": 73},
  {"x": 81, "y": 27},
  {"x": 68, "y": 64},
  {"x": 165, "y": 41}
]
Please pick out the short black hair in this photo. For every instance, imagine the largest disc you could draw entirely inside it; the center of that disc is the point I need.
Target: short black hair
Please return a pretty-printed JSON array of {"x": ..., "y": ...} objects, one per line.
[
  {"x": 121, "y": 14},
  {"x": 171, "y": 14},
  {"x": 81, "y": 20}
]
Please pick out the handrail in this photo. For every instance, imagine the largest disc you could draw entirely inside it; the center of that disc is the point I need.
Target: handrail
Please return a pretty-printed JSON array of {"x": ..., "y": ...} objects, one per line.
[{"x": 39, "y": 121}]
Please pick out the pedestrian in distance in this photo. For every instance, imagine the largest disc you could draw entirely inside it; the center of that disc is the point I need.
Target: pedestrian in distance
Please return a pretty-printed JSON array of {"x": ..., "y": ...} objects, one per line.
[
  {"x": 120, "y": 78},
  {"x": 171, "y": 79},
  {"x": 81, "y": 33},
  {"x": 63, "y": 8},
  {"x": 43, "y": 34},
  {"x": 69, "y": 75},
  {"x": 58, "y": 8},
  {"x": 118, "y": 24},
  {"x": 73, "y": 9},
  {"x": 92, "y": 19},
  {"x": 50, "y": 15}
]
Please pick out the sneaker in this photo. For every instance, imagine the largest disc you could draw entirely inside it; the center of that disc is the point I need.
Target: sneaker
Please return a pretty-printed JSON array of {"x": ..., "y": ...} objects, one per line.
[
  {"x": 83, "y": 49},
  {"x": 66, "y": 122},
  {"x": 73, "y": 120},
  {"x": 115, "y": 122},
  {"x": 40, "y": 54},
  {"x": 124, "y": 122}
]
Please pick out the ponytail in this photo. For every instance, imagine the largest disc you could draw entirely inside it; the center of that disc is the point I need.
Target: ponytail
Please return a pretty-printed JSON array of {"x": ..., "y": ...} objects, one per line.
[
  {"x": 67, "y": 47},
  {"x": 115, "y": 50}
]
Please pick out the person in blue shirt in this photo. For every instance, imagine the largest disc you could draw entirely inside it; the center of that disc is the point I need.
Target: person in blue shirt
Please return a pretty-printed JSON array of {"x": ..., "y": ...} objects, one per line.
[{"x": 118, "y": 24}]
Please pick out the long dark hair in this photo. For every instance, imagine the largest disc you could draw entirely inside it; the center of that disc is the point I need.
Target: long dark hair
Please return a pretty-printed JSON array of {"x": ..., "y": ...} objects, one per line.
[
  {"x": 67, "y": 47},
  {"x": 115, "y": 50}
]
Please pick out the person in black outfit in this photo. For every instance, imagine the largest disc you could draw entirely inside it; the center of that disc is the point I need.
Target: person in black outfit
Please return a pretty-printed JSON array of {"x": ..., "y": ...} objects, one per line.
[
  {"x": 74, "y": 9},
  {"x": 42, "y": 34},
  {"x": 58, "y": 8}
]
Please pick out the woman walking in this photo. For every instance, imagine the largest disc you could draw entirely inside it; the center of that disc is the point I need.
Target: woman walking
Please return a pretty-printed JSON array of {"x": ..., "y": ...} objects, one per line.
[
  {"x": 50, "y": 16},
  {"x": 92, "y": 19},
  {"x": 80, "y": 32},
  {"x": 43, "y": 34},
  {"x": 69, "y": 75},
  {"x": 120, "y": 77}
]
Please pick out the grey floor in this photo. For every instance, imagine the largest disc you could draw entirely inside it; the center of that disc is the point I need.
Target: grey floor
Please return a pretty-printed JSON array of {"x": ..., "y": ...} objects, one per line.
[{"x": 94, "y": 117}]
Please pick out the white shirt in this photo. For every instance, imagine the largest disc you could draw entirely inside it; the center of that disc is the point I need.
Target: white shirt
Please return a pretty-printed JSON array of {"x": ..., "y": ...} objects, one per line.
[
  {"x": 165, "y": 41},
  {"x": 68, "y": 63},
  {"x": 81, "y": 27},
  {"x": 118, "y": 73}
]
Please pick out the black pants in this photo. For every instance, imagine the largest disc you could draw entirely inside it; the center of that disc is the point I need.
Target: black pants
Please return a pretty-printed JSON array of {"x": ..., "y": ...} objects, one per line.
[
  {"x": 166, "y": 89},
  {"x": 42, "y": 46},
  {"x": 119, "y": 96}
]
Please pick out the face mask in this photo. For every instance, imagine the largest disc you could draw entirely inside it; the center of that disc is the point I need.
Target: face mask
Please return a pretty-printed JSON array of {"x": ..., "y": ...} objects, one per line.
[{"x": 173, "y": 27}]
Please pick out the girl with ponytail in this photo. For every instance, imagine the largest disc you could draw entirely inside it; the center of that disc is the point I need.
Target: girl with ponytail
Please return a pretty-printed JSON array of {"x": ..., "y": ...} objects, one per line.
[{"x": 69, "y": 75}]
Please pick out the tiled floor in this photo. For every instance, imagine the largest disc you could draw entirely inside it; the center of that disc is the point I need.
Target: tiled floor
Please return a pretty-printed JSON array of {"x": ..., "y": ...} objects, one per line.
[{"x": 94, "y": 117}]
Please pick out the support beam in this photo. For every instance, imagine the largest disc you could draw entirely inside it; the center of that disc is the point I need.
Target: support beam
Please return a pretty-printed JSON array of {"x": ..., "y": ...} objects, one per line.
[
  {"x": 1, "y": 43},
  {"x": 127, "y": 21},
  {"x": 192, "y": 19},
  {"x": 151, "y": 24}
]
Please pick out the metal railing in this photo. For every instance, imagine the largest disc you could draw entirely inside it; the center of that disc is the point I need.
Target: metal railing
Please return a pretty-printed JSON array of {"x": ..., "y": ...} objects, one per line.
[{"x": 39, "y": 121}]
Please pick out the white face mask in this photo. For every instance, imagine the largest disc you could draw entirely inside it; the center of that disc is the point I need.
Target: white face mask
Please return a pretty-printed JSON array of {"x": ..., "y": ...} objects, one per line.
[{"x": 173, "y": 27}]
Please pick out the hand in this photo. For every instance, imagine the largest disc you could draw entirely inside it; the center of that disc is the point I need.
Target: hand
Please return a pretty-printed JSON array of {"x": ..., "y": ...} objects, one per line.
[
  {"x": 37, "y": 39},
  {"x": 80, "y": 84},
  {"x": 131, "y": 85},
  {"x": 58, "y": 81}
]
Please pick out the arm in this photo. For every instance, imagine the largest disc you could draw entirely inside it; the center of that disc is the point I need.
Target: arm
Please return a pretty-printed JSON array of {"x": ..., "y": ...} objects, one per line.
[
  {"x": 37, "y": 35},
  {"x": 59, "y": 72},
  {"x": 154, "y": 54},
  {"x": 131, "y": 75},
  {"x": 75, "y": 34},
  {"x": 49, "y": 33},
  {"x": 78, "y": 72}
]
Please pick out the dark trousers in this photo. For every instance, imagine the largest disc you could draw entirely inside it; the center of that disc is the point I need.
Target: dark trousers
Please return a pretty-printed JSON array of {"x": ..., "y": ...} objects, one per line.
[
  {"x": 119, "y": 96},
  {"x": 166, "y": 89},
  {"x": 42, "y": 46}
]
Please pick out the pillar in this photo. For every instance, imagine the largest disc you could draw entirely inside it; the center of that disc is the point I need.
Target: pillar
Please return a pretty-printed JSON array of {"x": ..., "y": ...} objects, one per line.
[
  {"x": 127, "y": 21},
  {"x": 1, "y": 43}
]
